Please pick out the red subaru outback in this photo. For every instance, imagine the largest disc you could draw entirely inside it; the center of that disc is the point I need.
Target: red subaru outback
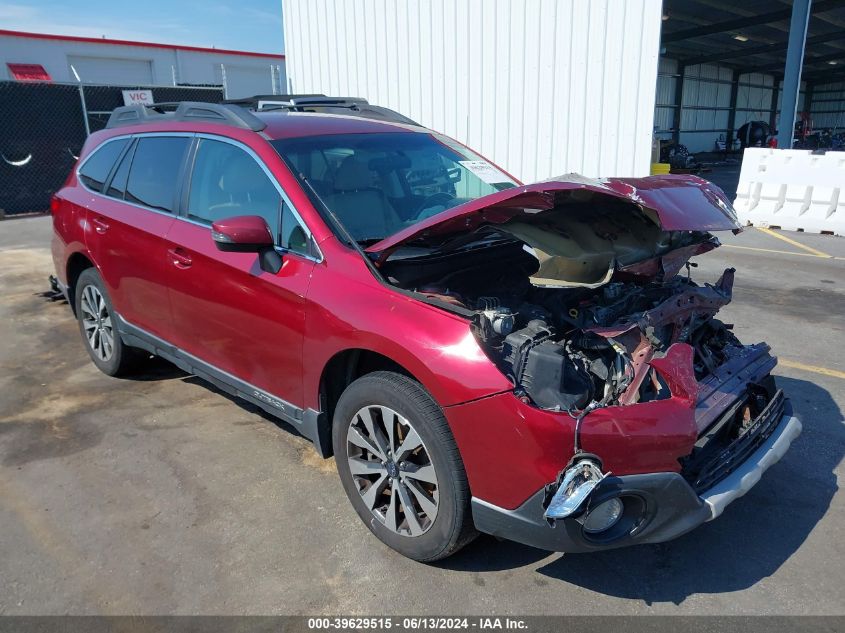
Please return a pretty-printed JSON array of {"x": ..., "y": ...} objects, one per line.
[{"x": 530, "y": 361}]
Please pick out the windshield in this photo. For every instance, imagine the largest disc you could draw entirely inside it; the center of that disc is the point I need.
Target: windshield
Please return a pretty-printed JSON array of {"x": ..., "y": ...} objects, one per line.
[{"x": 378, "y": 184}]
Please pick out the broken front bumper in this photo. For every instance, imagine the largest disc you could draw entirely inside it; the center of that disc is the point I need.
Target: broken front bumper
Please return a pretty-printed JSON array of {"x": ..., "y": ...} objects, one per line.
[{"x": 659, "y": 506}]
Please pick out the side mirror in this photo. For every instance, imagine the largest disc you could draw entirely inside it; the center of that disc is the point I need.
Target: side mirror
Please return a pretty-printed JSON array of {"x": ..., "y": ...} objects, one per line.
[
  {"x": 247, "y": 234},
  {"x": 242, "y": 234}
]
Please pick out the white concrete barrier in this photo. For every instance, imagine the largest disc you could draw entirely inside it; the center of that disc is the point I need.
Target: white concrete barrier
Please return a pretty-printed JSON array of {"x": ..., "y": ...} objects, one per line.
[{"x": 792, "y": 189}]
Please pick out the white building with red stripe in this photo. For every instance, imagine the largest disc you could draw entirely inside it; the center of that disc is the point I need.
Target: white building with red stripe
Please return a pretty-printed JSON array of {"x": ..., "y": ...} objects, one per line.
[{"x": 72, "y": 59}]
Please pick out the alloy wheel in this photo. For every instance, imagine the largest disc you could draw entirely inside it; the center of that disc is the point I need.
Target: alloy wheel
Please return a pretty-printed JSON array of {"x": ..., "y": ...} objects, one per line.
[
  {"x": 392, "y": 470},
  {"x": 97, "y": 323}
]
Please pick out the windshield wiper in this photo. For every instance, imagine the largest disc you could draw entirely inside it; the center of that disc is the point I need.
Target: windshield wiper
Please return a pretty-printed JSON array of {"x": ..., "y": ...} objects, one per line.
[{"x": 475, "y": 240}]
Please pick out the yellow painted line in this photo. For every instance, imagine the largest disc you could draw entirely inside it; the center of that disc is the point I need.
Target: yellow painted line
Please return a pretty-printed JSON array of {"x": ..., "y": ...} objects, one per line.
[
  {"x": 789, "y": 240},
  {"x": 824, "y": 371},
  {"x": 768, "y": 250},
  {"x": 777, "y": 252}
]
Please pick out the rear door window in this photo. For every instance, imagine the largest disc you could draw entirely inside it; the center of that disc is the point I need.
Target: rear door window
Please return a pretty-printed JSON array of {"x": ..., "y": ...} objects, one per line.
[
  {"x": 155, "y": 175},
  {"x": 96, "y": 169}
]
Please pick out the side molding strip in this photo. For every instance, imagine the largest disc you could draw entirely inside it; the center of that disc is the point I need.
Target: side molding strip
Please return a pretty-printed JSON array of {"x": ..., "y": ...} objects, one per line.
[{"x": 311, "y": 424}]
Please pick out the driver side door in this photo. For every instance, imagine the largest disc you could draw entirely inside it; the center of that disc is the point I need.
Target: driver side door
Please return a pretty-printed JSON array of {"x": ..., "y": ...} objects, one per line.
[{"x": 227, "y": 311}]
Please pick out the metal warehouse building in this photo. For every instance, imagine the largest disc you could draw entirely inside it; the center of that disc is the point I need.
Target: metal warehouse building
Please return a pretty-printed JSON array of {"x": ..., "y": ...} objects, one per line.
[
  {"x": 60, "y": 58},
  {"x": 545, "y": 87},
  {"x": 724, "y": 64}
]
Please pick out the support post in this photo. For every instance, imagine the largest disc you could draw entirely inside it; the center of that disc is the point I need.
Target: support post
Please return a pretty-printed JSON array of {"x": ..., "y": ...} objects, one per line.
[
  {"x": 792, "y": 71},
  {"x": 84, "y": 109},
  {"x": 729, "y": 136},
  {"x": 773, "y": 107},
  {"x": 808, "y": 99},
  {"x": 679, "y": 100},
  {"x": 178, "y": 73}
]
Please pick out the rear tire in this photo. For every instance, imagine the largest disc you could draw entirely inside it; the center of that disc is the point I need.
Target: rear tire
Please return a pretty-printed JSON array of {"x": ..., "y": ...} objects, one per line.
[
  {"x": 98, "y": 326},
  {"x": 400, "y": 466}
]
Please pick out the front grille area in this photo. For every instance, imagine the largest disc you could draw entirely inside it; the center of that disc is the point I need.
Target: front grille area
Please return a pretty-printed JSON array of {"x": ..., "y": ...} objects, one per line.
[{"x": 720, "y": 452}]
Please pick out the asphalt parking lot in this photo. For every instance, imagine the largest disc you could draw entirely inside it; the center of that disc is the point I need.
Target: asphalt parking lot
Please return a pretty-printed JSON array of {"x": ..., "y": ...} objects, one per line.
[{"x": 159, "y": 495}]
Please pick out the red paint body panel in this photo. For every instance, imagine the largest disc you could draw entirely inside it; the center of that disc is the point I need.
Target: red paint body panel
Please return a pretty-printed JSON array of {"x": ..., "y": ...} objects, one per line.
[
  {"x": 128, "y": 247},
  {"x": 245, "y": 229},
  {"x": 123, "y": 242},
  {"x": 233, "y": 315},
  {"x": 68, "y": 236},
  {"x": 682, "y": 203},
  {"x": 349, "y": 309},
  {"x": 512, "y": 449}
]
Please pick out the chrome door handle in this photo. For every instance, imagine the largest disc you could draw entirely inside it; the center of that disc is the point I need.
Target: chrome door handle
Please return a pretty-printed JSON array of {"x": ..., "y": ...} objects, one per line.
[
  {"x": 100, "y": 225},
  {"x": 179, "y": 258}
]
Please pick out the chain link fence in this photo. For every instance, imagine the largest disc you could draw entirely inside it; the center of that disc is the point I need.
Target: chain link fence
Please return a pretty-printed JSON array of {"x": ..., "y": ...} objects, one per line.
[
  {"x": 44, "y": 125},
  {"x": 101, "y": 100}
]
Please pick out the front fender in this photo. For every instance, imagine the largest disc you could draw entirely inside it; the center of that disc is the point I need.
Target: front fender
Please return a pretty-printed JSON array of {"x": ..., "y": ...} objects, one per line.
[{"x": 350, "y": 310}]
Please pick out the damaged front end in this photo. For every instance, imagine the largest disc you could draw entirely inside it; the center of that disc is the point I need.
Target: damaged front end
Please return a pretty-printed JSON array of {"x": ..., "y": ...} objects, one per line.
[
  {"x": 582, "y": 294},
  {"x": 574, "y": 296}
]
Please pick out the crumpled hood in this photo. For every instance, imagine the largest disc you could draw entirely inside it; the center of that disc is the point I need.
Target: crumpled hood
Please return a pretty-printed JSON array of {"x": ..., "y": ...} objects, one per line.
[{"x": 679, "y": 202}]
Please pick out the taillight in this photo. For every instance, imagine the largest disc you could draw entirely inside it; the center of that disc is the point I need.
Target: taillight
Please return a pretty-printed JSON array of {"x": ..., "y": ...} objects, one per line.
[{"x": 54, "y": 205}]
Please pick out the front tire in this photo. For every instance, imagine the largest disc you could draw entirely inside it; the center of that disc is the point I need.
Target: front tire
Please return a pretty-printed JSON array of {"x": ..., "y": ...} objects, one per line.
[
  {"x": 400, "y": 466},
  {"x": 98, "y": 326}
]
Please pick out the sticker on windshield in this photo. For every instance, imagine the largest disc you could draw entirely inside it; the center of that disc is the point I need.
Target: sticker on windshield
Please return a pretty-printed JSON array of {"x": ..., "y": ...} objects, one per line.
[{"x": 485, "y": 171}]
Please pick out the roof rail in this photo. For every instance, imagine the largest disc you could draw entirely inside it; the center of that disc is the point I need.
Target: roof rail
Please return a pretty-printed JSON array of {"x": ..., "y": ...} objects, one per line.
[
  {"x": 257, "y": 102},
  {"x": 226, "y": 113},
  {"x": 351, "y": 106}
]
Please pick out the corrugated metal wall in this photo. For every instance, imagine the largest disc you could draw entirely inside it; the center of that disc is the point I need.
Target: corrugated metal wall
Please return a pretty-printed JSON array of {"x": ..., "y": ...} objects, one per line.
[
  {"x": 828, "y": 106},
  {"x": 707, "y": 102},
  {"x": 754, "y": 98},
  {"x": 541, "y": 87},
  {"x": 664, "y": 109}
]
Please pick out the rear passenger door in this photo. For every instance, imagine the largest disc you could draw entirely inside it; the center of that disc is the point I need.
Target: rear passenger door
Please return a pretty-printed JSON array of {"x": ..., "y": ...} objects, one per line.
[
  {"x": 227, "y": 312},
  {"x": 127, "y": 223}
]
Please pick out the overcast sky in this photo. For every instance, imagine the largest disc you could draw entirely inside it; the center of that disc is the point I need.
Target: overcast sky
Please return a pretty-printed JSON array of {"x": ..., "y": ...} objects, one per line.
[{"x": 250, "y": 25}]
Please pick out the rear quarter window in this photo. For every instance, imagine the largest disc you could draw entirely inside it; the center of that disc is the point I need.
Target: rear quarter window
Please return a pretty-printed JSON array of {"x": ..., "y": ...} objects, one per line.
[
  {"x": 95, "y": 170},
  {"x": 117, "y": 185}
]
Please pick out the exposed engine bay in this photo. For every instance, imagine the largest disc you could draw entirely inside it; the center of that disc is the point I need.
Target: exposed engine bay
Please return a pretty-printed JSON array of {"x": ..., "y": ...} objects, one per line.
[
  {"x": 575, "y": 328},
  {"x": 582, "y": 293}
]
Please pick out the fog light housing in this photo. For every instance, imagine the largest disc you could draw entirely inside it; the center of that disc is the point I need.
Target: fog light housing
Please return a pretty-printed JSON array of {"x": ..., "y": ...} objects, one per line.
[
  {"x": 604, "y": 516},
  {"x": 578, "y": 483}
]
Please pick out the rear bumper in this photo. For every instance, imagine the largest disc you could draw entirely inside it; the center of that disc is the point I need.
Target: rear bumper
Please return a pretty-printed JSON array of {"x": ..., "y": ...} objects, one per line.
[{"x": 669, "y": 505}]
